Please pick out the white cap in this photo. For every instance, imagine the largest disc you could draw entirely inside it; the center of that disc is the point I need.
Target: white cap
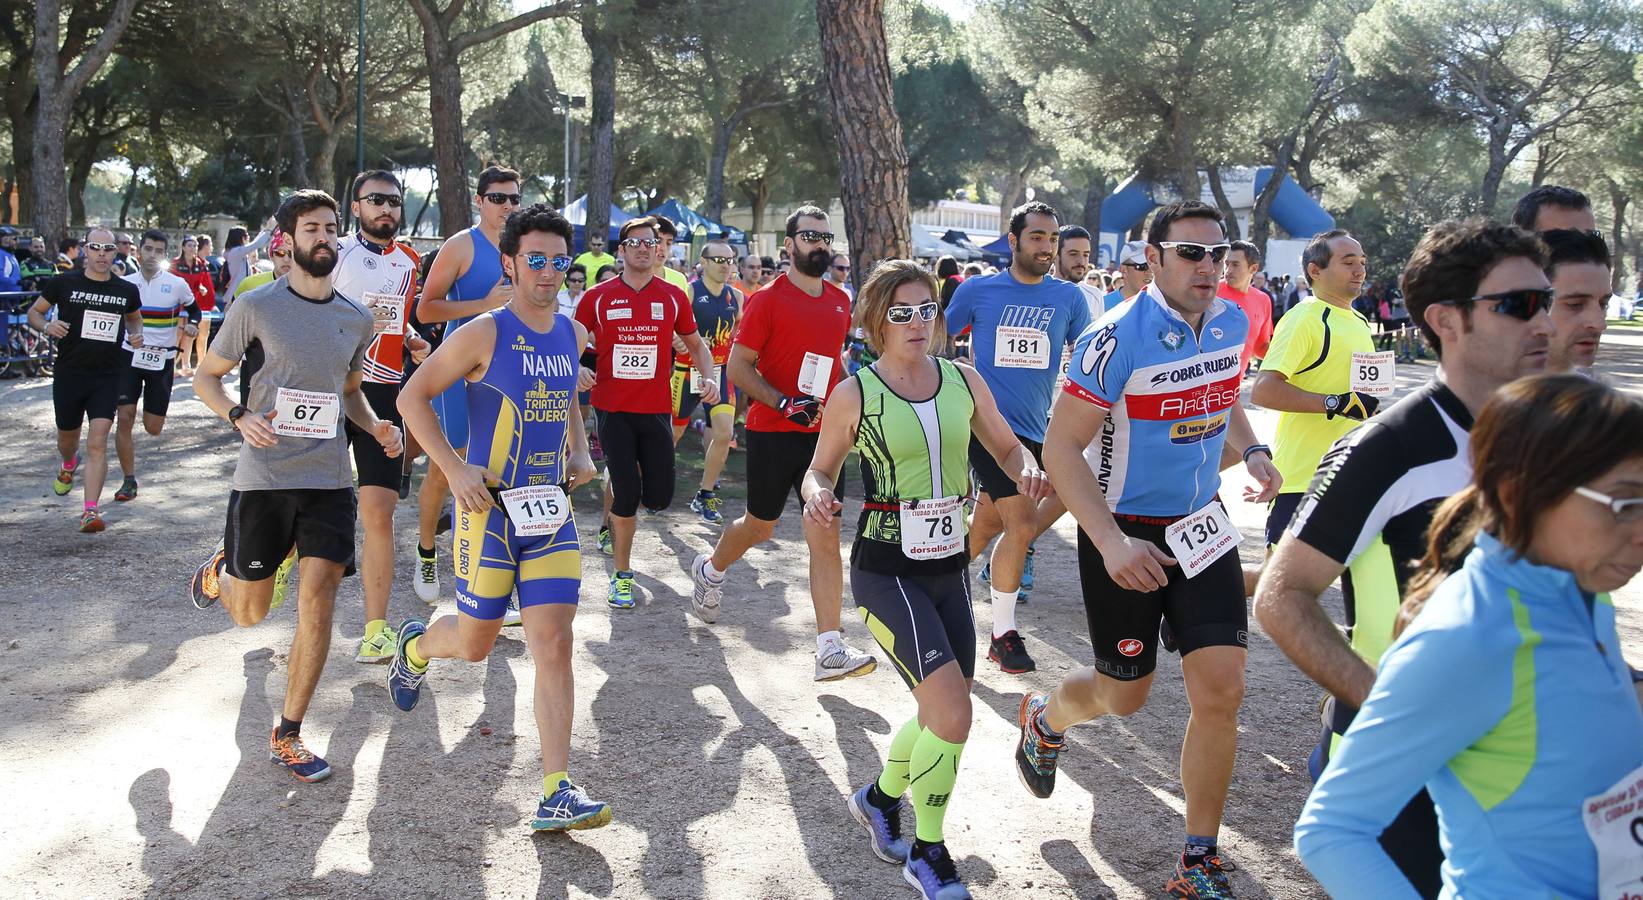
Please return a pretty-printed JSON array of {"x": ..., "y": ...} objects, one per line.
[{"x": 1134, "y": 253}]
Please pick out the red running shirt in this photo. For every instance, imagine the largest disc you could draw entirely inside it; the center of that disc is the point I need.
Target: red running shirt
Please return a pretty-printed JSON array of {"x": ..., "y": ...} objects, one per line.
[
  {"x": 1257, "y": 307},
  {"x": 633, "y": 333},
  {"x": 782, "y": 323}
]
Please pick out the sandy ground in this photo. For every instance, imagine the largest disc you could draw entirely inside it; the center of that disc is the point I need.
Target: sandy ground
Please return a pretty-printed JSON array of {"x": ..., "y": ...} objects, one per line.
[{"x": 136, "y": 727}]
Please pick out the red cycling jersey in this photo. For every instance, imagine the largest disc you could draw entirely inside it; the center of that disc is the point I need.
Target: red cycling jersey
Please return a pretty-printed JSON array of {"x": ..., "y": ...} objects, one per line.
[{"x": 633, "y": 333}]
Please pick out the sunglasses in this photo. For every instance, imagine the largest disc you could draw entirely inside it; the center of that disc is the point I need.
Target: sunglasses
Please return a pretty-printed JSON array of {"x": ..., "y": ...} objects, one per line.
[
  {"x": 814, "y": 237},
  {"x": 1141, "y": 267},
  {"x": 396, "y": 201},
  {"x": 1627, "y": 511},
  {"x": 1194, "y": 252},
  {"x": 721, "y": 260},
  {"x": 640, "y": 242},
  {"x": 94, "y": 245},
  {"x": 501, "y": 199},
  {"x": 1521, "y": 304},
  {"x": 841, "y": 268},
  {"x": 901, "y": 315},
  {"x": 279, "y": 254},
  {"x": 539, "y": 261}
]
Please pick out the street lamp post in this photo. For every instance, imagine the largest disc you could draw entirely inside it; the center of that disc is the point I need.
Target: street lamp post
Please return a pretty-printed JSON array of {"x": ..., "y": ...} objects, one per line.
[{"x": 567, "y": 103}]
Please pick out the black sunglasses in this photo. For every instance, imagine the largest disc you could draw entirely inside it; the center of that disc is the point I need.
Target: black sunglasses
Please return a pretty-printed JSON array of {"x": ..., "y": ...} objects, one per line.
[
  {"x": 824, "y": 237},
  {"x": 721, "y": 260},
  {"x": 1142, "y": 267},
  {"x": 1520, "y": 304},
  {"x": 500, "y": 198},
  {"x": 1194, "y": 252},
  {"x": 391, "y": 200}
]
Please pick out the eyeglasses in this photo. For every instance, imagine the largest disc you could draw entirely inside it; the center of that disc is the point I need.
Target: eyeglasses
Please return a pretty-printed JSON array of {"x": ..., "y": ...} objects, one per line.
[
  {"x": 94, "y": 245},
  {"x": 577, "y": 280},
  {"x": 721, "y": 260},
  {"x": 279, "y": 254},
  {"x": 396, "y": 201},
  {"x": 640, "y": 242},
  {"x": 1627, "y": 511},
  {"x": 901, "y": 315},
  {"x": 500, "y": 198},
  {"x": 1194, "y": 252},
  {"x": 1519, "y": 304},
  {"x": 814, "y": 237},
  {"x": 539, "y": 261},
  {"x": 124, "y": 243},
  {"x": 1141, "y": 267},
  {"x": 841, "y": 268}
]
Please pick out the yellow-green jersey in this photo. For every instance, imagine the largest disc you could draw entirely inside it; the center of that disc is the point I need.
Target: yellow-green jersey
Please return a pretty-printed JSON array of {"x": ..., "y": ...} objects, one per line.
[{"x": 1312, "y": 349}]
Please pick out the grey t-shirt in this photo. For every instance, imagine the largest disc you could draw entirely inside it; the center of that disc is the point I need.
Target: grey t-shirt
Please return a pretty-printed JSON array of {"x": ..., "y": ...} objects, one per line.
[{"x": 293, "y": 342}]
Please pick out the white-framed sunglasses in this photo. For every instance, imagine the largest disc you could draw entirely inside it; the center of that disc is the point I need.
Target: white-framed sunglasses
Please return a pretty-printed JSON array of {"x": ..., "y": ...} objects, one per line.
[{"x": 901, "y": 315}]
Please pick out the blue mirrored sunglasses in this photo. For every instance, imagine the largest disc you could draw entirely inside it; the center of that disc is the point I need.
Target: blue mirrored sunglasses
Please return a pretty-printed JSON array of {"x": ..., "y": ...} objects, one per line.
[{"x": 539, "y": 261}]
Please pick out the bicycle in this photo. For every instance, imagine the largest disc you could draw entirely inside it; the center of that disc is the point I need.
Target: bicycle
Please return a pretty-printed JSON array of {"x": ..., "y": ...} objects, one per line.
[{"x": 25, "y": 351}]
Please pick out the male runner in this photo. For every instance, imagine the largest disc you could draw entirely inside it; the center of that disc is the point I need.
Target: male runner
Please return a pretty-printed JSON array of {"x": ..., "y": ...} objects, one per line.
[
  {"x": 125, "y": 249},
  {"x": 716, "y": 306},
  {"x": 838, "y": 274},
  {"x": 1134, "y": 273},
  {"x": 167, "y": 298},
  {"x": 631, "y": 320},
  {"x": 1072, "y": 263},
  {"x": 1581, "y": 272},
  {"x": 292, "y": 487},
  {"x": 95, "y": 311},
  {"x": 1551, "y": 207},
  {"x": 1134, "y": 450},
  {"x": 1478, "y": 293},
  {"x": 787, "y": 359},
  {"x": 379, "y": 273},
  {"x": 594, "y": 258},
  {"x": 526, "y": 452},
  {"x": 748, "y": 274},
  {"x": 668, "y": 233},
  {"x": 1021, "y": 322},
  {"x": 1237, "y": 286},
  {"x": 464, "y": 280}
]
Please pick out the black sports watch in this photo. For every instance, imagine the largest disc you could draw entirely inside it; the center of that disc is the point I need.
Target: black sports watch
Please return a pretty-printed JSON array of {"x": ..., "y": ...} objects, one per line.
[
  {"x": 234, "y": 414},
  {"x": 1332, "y": 402}
]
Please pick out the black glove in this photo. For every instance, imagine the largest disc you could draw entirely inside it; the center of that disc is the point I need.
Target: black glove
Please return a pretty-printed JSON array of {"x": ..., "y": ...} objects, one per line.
[
  {"x": 1354, "y": 405},
  {"x": 803, "y": 410}
]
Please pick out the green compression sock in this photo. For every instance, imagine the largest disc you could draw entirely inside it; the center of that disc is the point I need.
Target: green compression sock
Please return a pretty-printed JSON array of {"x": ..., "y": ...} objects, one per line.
[
  {"x": 893, "y": 780},
  {"x": 934, "y": 770}
]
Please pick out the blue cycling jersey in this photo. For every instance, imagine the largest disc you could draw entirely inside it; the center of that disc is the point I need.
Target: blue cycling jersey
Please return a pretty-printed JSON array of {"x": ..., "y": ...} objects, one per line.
[
  {"x": 1013, "y": 327},
  {"x": 1168, "y": 395}
]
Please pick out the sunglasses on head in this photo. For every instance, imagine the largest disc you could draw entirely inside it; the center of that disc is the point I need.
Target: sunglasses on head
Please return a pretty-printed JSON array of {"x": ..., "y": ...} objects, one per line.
[
  {"x": 901, "y": 315},
  {"x": 500, "y": 198},
  {"x": 814, "y": 237},
  {"x": 721, "y": 260},
  {"x": 95, "y": 245},
  {"x": 1520, "y": 304},
  {"x": 539, "y": 261},
  {"x": 640, "y": 242},
  {"x": 396, "y": 201},
  {"x": 1194, "y": 252}
]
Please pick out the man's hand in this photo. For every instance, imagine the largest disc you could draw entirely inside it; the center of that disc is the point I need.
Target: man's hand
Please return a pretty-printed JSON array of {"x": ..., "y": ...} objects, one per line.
[
  {"x": 585, "y": 379},
  {"x": 1136, "y": 564},
  {"x": 803, "y": 410},
  {"x": 419, "y": 348},
  {"x": 581, "y": 469},
  {"x": 57, "y": 328},
  {"x": 257, "y": 428},
  {"x": 468, "y": 486},
  {"x": 387, "y": 434},
  {"x": 821, "y": 507},
  {"x": 1260, "y": 467},
  {"x": 135, "y": 339},
  {"x": 1034, "y": 483},
  {"x": 190, "y": 329},
  {"x": 710, "y": 393},
  {"x": 1354, "y": 405}
]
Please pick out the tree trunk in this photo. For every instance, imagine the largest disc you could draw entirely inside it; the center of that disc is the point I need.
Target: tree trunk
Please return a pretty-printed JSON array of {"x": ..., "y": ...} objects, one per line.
[
  {"x": 79, "y": 175},
  {"x": 1186, "y": 159},
  {"x": 1090, "y": 216},
  {"x": 723, "y": 132},
  {"x": 450, "y": 154},
  {"x": 1618, "y": 202},
  {"x": 1011, "y": 192},
  {"x": 299, "y": 152},
  {"x": 427, "y": 200},
  {"x": 602, "y": 121},
  {"x": 325, "y": 162},
  {"x": 1489, "y": 191},
  {"x": 1221, "y": 200}
]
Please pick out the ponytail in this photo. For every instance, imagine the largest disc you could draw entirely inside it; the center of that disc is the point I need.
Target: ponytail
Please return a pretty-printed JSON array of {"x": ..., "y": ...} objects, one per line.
[{"x": 1454, "y": 527}]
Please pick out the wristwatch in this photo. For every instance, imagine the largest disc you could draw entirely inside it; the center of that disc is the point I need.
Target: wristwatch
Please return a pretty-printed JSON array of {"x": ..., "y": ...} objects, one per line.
[
  {"x": 1332, "y": 402},
  {"x": 234, "y": 414}
]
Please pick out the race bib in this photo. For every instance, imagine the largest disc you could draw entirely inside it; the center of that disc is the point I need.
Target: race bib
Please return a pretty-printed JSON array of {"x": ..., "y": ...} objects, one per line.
[
  {"x": 149, "y": 359},
  {"x": 306, "y": 413},
  {"x": 540, "y": 509},
  {"x": 695, "y": 380},
  {"x": 1202, "y": 538},
  {"x": 814, "y": 375},
  {"x": 387, "y": 313},
  {"x": 932, "y": 529},
  {"x": 99, "y": 326},
  {"x": 1614, "y": 821},
  {"x": 1021, "y": 348},
  {"x": 1374, "y": 374},
  {"x": 633, "y": 362}
]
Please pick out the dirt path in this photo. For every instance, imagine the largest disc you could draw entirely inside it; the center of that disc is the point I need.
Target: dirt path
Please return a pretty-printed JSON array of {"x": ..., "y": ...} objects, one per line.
[{"x": 135, "y": 727}]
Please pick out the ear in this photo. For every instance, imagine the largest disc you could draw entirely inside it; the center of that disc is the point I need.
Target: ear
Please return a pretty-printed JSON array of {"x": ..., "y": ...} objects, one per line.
[
  {"x": 507, "y": 267},
  {"x": 1447, "y": 321},
  {"x": 1155, "y": 258}
]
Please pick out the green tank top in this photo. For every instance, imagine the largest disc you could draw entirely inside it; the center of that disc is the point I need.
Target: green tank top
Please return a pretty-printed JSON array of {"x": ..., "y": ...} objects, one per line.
[{"x": 909, "y": 451}]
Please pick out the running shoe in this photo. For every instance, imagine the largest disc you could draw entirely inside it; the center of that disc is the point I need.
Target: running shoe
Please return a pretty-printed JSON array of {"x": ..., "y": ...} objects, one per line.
[
  {"x": 91, "y": 521},
  {"x": 510, "y": 616},
  {"x": 205, "y": 588},
  {"x": 1205, "y": 881},
  {"x": 706, "y": 504},
  {"x": 986, "y": 575},
  {"x": 570, "y": 809},
  {"x": 933, "y": 874},
  {"x": 605, "y": 543},
  {"x": 621, "y": 590},
  {"x": 883, "y": 826},
  {"x": 405, "y": 683},
  {"x": 378, "y": 648},
  {"x": 595, "y": 451},
  {"x": 840, "y": 660},
  {"x": 282, "y": 580},
  {"x": 64, "y": 482},
  {"x": 704, "y": 594},
  {"x": 290, "y": 753},
  {"x": 426, "y": 577},
  {"x": 128, "y": 489},
  {"x": 1026, "y": 576},
  {"x": 1035, "y": 754},
  {"x": 1009, "y": 650}
]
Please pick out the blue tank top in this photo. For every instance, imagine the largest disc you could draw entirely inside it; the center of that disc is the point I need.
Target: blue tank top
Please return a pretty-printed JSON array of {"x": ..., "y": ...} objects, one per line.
[
  {"x": 519, "y": 413},
  {"x": 483, "y": 273}
]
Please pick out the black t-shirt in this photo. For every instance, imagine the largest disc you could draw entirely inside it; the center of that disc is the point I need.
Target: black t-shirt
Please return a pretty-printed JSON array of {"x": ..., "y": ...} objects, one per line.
[{"x": 74, "y": 294}]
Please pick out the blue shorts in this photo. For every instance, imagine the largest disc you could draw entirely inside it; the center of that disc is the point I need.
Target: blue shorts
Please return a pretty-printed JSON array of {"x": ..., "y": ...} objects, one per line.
[
  {"x": 452, "y": 409},
  {"x": 491, "y": 561}
]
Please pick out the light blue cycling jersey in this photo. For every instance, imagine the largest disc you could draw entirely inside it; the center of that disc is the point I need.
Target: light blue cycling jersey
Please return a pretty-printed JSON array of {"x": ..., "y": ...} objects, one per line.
[
  {"x": 1168, "y": 395},
  {"x": 1507, "y": 698}
]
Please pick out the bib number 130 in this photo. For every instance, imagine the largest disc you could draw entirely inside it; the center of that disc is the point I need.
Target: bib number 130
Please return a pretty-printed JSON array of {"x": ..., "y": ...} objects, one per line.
[{"x": 1202, "y": 538}]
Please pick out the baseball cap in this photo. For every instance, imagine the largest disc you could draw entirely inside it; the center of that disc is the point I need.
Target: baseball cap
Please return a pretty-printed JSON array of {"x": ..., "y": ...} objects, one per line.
[
  {"x": 277, "y": 242},
  {"x": 1134, "y": 253},
  {"x": 7, "y": 231}
]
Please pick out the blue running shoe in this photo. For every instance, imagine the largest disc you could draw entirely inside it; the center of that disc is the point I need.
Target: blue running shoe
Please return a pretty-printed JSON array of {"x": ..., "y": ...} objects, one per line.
[
  {"x": 932, "y": 873},
  {"x": 1026, "y": 576},
  {"x": 289, "y": 753},
  {"x": 570, "y": 809},
  {"x": 986, "y": 575},
  {"x": 405, "y": 683},
  {"x": 621, "y": 590},
  {"x": 707, "y": 505},
  {"x": 883, "y": 825}
]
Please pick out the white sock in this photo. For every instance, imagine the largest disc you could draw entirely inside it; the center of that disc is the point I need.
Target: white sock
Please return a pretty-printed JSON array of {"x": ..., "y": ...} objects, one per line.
[
  {"x": 1003, "y": 612},
  {"x": 825, "y": 639},
  {"x": 711, "y": 573}
]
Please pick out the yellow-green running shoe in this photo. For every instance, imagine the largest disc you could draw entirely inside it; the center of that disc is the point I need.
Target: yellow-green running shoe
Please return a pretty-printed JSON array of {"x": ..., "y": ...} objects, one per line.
[
  {"x": 379, "y": 647},
  {"x": 282, "y": 580}
]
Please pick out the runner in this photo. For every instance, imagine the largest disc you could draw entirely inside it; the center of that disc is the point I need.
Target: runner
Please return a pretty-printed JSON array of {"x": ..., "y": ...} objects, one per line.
[
  {"x": 1478, "y": 294},
  {"x": 1134, "y": 273},
  {"x": 149, "y": 370},
  {"x": 1072, "y": 263},
  {"x": 908, "y": 566},
  {"x": 1135, "y": 448},
  {"x": 667, "y": 233},
  {"x": 1581, "y": 272},
  {"x": 1238, "y": 286},
  {"x": 191, "y": 267},
  {"x": 594, "y": 258},
  {"x": 526, "y": 446},
  {"x": 1551, "y": 207},
  {"x": 464, "y": 280},
  {"x": 279, "y": 253},
  {"x": 630, "y": 320},
  {"x": 787, "y": 359},
  {"x": 716, "y": 306},
  {"x": 95, "y": 311},
  {"x": 1021, "y": 322},
  {"x": 292, "y": 489},
  {"x": 379, "y": 273}
]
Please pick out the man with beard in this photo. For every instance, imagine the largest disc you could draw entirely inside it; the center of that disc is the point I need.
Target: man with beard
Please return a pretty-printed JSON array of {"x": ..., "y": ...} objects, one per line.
[
  {"x": 292, "y": 486},
  {"x": 1021, "y": 322},
  {"x": 379, "y": 274},
  {"x": 786, "y": 358},
  {"x": 1072, "y": 263}
]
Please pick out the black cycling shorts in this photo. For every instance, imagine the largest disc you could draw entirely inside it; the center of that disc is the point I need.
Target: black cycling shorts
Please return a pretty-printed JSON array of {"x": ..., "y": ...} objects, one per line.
[
  {"x": 1204, "y": 611},
  {"x": 263, "y": 526},
  {"x": 638, "y": 460},
  {"x": 153, "y": 387},
  {"x": 78, "y": 396},
  {"x": 989, "y": 477},
  {"x": 1278, "y": 513},
  {"x": 923, "y": 622},
  {"x": 776, "y": 463},
  {"x": 373, "y": 466}
]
